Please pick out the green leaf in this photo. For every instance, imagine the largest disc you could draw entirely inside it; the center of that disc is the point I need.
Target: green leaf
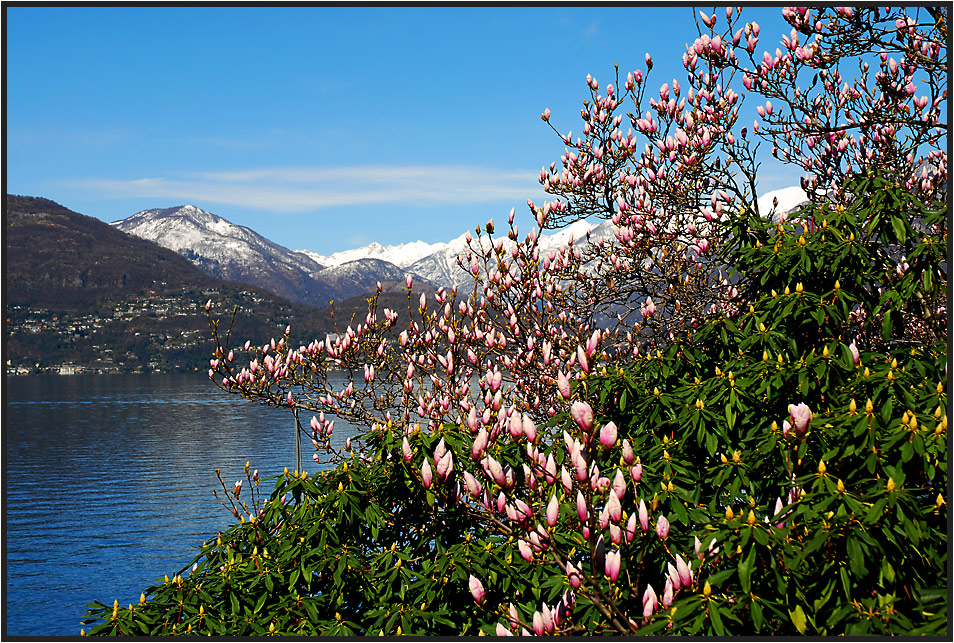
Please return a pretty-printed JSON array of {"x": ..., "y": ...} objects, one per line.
[
  {"x": 716, "y": 617},
  {"x": 757, "y": 618},
  {"x": 855, "y": 556},
  {"x": 745, "y": 571},
  {"x": 798, "y": 618},
  {"x": 900, "y": 229}
]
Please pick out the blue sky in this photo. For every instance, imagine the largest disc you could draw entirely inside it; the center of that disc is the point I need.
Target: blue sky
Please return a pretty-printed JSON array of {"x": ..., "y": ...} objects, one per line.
[{"x": 323, "y": 128}]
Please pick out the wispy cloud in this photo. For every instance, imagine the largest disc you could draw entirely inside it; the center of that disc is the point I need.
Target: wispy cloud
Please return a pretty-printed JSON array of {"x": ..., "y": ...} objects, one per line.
[{"x": 297, "y": 189}]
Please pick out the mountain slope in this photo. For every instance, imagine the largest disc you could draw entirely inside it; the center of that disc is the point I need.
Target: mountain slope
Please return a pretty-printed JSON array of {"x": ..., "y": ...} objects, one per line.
[
  {"x": 78, "y": 290},
  {"x": 57, "y": 256},
  {"x": 229, "y": 251}
]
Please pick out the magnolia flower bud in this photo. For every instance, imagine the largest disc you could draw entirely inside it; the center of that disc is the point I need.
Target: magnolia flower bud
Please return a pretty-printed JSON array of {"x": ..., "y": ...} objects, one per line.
[
  {"x": 476, "y": 589},
  {"x": 582, "y": 414}
]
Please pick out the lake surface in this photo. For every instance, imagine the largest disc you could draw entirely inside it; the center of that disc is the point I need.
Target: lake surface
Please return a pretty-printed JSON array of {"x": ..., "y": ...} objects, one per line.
[{"x": 108, "y": 484}]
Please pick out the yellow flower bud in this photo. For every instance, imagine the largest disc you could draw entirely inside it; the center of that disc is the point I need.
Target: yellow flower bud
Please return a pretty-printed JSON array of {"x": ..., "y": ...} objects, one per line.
[
  {"x": 729, "y": 514},
  {"x": 937, "y": 413},
  {"x": 825, "y": 352},
  {"x": 142, "y": 598},
  {"x": 271, "y": 627},
  {"x": 869, "y": 407},
  {"x": 798, "y": 286},
  {"x": 939, "y": 501},
  {"x": 781, "y": 360},
  {"x": 890, "y": 485},
  {"x": 774, "y": 294},
  {"x": 656, "y": 391},
  {"x": 340, "y": 487},
  {"x": 940, "y": 388},
  {"x": 821, "y": 467},
  {"x": 837, "y": 285},
  {"x": 707, "y": 590},
  {"x": 867, "y": 373},
  {"x": 787, "y": 291},
  {"x": 724, "y": 459},
  {"x": 751, "y": 519},
  {"x": 841, "y": 486},
  {"x": 761, "y": 327},
  {"x": 913, "y": 423},
  {"x": 765, "y": 356},
  {"x": 736, "y": 457},
  {"x": 670, "y": 487},
  {"x": 852, "y": 407}
]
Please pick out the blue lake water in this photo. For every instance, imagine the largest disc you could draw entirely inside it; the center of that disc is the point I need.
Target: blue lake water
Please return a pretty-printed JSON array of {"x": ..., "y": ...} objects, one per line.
[{"x": 108, "y": 484}]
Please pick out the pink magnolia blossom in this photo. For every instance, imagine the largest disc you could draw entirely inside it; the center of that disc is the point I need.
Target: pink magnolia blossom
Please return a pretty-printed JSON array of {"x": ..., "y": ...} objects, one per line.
[
  {"x": 667, "y": 593},
  {"x": 538, "y": 623},
  {"x": 801, "y": 416},
  {"x": 427, "y": 475},
  {"x": 643, "y": 515},
  {"x": 526, "y": 552},
  {"x": 612, "y": 564},
  {"x": 650, "y": 601},
  {"x": 476, "y": 589},
  {"x": 553, "y": 511},
  {"x": 662, "y": 527},
  {"x": 627, "y": 452},
  {"x": 582, "y": 414},
  {"x": 563, "y": 385},
  {"x": 581, "y": 508},
  {"x": 685, "y": 572},
  {"x": 631, "y": 528},
  {"x": 855, "y": 355},
  {"x": 574, "y": 576},
  {"x": 608, "y": 435}
]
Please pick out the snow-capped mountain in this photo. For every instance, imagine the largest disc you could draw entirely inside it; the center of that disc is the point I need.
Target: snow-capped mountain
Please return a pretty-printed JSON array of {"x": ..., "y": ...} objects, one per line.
[
  {"x": 237, "y": 253},
  {"x": 228, "y": 251},
  {"x": 783, "y": 201},
  {"x": 401, "y": 255}
]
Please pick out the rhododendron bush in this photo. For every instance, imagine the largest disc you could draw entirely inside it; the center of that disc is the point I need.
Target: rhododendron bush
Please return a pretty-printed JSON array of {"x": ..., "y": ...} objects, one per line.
[{"x": 719, "y": 421}]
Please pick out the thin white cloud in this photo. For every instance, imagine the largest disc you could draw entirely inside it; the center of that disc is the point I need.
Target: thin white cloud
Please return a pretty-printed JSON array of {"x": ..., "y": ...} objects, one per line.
[{"x": 290, "y": 189}]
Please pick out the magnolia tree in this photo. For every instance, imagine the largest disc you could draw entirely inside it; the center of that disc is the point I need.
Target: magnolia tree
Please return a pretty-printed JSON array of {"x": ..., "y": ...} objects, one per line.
[{"x": 718, "y": 420}]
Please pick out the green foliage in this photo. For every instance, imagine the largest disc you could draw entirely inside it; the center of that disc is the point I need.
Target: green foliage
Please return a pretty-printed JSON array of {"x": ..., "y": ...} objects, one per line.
[
  {"x": 359, "y": 550},
  {"x": 859, "y": 544}
]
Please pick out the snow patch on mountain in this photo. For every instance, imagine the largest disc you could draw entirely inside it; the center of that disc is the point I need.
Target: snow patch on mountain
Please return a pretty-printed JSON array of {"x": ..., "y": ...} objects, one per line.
[
  {"x": 401, "y": 255},
  {"x": 189, "y": 230},
  {"x": 788, "y": 199}
]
